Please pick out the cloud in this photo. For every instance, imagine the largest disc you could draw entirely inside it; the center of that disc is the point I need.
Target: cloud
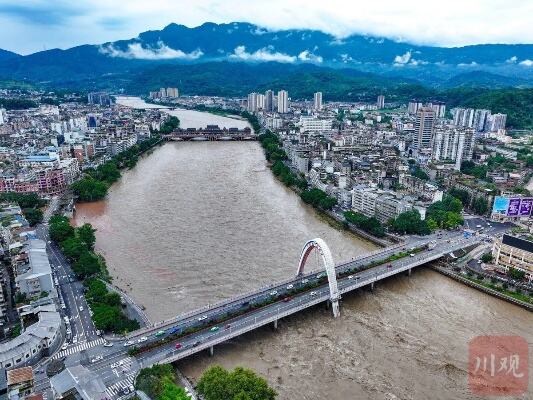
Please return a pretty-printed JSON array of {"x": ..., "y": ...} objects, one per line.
[
  {"x": 403, "y": 59},
  {"x": 466, "y": 65},
  {"x": 42, "y": 13},
  {"x": 512, "y": 60},
  {"x": 527, "y": 63},
  {"x": 307, "y": 56},
  {"x": 264, "y": 54},
  {"x": 160, "y": 52}
]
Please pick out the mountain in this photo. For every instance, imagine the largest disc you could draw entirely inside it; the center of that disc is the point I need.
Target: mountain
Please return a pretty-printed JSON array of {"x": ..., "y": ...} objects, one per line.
[
  {"x": 483, "y": 79},
  {"x": 248, "y": 43},
  {"x": 6, "y": 55}
]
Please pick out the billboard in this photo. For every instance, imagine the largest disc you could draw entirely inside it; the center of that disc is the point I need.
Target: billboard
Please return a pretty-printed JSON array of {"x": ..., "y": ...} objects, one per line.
[
  {"x": 512, "y": 206},
  {"x": 500, "y": 205}
]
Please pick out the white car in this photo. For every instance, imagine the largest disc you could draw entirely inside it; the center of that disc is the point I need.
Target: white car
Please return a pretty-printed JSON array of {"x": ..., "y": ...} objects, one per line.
[
  {"x": 202, "y": 318},
  {"x": 108, "y": 344},
  {"x": 142, "y": 339},
  {"x": 64, "y": 347},
  {"x": 350, "y": 277},
  {"x": 81, "y": 308},
  {"x": 305, "y": 281},
  {"x": 114, "y": 365},
  {"x": 290, "y": 287},
  {"x": 313, "y": 293},
  {"x": 274, "y": 292},
  {"x": 129, "y": 343},
  {"x": 96, "y": 359},
  {"x": 75, "y": 340}
]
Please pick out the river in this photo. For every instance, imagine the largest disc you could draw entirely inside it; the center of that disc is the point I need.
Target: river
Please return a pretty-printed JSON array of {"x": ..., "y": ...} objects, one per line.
[{"x": 194, "y": 223}]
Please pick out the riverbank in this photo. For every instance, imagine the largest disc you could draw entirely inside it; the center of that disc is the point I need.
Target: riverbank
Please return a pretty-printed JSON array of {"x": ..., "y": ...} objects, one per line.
[{"x": 482, "y": 286}]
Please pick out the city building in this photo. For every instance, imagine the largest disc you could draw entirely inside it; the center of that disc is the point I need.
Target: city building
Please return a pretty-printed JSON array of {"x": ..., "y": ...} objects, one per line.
[
  {"x": 99, "y": 98},
  {"x": 424, "y": 129},
  {"x": 269, "y": 101},
  {"x": 78, "y": 382},
  {"x": 313, "y": 124},
  {"x": 256, "y": 102},
  {"x": 514, "y": 252},
  {"x": 497, "y": 122},
  {"x": 283, "y": 102},
  {"x": 453, "y": 145},
  {"x": 413, "y": 106},
  {"x": 317, "y": 101},
  {"x": 381, "y": 101},
  {"x": 35, "y": 277}
]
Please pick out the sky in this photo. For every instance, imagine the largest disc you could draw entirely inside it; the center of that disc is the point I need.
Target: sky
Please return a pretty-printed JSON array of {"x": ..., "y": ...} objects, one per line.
[{"x": 27, "y": 26}]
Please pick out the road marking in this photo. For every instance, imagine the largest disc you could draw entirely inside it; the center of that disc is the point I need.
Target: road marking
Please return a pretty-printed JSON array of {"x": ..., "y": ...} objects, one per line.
[
  {"x": 117, "y": 387},
  {"x": 78, "y": 348}
]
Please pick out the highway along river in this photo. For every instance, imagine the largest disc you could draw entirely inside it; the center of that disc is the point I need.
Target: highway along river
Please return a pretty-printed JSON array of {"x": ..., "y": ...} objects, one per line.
[{"x": 194, "y": 223}]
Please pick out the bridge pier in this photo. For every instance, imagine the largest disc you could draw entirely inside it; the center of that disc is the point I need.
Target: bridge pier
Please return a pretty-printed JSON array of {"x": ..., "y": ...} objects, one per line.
[
  {"x": 409, "y": 272},
  {"x": 275, "y": 324},
  {"x": 372, "y": 286},
  {"x": 335, "y": 308},
  {"x": 211, "y": 351}
]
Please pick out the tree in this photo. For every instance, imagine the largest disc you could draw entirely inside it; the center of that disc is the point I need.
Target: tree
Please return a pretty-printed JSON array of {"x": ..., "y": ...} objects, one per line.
[
  {"x": 34, "y": 216},
  {"x": 418, "y": 173},
  {"x": 409, "y": 222},
  {"x": 516, "y": 274},
  {"x": 170, "y": 391},
  {"x": 219, "y": 384},
  {"x": 462, "y": 195},
  {"x": 486, "y": 258},
  {"x": 73, "y": 248},
  {"x": 90, "y": 189},
  {"x": 86, "y": 235},
  {"x": 87, "y": 265},
  {"x": 480, "y": 205},
  {"x": 60, "y": 228}
]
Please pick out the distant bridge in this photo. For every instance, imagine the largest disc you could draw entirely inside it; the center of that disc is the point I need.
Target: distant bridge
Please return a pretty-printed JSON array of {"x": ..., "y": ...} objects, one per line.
[{"x": 211, "y": 133}]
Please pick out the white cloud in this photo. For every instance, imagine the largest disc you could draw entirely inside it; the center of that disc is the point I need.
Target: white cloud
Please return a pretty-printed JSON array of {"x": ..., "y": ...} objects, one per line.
[
  {"x": 160, "y": 52},
  {"x": 512, "y": 60},
  {"x": 307, "y": 56},
  {"x": 403, "y": 59},
  {"x": 527, "y": 63},
  {"x": 465, "y": 65},
  {"x": 496, "y": 21},
  {"x": 264, "y": 54}
]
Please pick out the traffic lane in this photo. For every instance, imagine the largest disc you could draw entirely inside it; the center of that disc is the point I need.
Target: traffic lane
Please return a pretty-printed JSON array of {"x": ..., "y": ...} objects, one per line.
[{"x": 233, "y": 306}]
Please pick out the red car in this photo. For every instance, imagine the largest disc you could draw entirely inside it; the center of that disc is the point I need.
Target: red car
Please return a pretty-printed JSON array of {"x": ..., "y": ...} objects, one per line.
[
  {"x": 286, "y": 299},
  {"x": 178, "y": 346}
]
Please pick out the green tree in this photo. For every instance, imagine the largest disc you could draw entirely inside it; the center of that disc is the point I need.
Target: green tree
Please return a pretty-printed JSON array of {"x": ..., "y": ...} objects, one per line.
[
  {"x": 60, "y": 228},
  {"x": 170, "y": 391},
  {"x": 90, "y": 189},
  {"x": 34, "y": 216},
  {"x": 217, "y": 383},
  {"x": 86, "y": 235},
  {"x": 486, "y": 258},
  {"x": 73, "y": 248},
  {"x": 480, "y": 205},
  {"x": 462, "y": 195},
  {"x": 516, "y": 274},
  {"x": 87, "y": 265}
]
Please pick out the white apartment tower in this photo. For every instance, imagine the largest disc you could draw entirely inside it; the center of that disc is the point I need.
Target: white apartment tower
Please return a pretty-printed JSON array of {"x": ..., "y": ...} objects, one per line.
[
  {"x": 283, "y": 102},
  {"x": 317, "y": 103},
  {"x": 381, "y": 102},
  {"x": 424, "y": 128},
  {"x": 453, "y": 144}
]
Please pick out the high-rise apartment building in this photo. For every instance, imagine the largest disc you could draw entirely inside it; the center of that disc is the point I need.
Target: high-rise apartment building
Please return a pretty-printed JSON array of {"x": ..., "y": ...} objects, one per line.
[
  {"x": 439, "y": 108},
  {"x": 480, "y": 120},
  {"x": 256, "y": 102},
  {"x": 99, "y": 98},
  {"x": 269, "y": 101},
  {"x": 283, "y": 102},
  {"x": 381, "y": 101},
  {"x": 413, "y": 106},
  {"x": 497, "y": 122},
  {"x": 317, "y": 101},
  {"x": 3, "y": 117},
  {"x": 463, "y": 117},
  {"x": 424, "y": 128},
  {"x": 453, "y": 144}
]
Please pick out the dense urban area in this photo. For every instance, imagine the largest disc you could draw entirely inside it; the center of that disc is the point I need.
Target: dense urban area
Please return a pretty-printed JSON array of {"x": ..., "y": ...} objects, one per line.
[{"x": 416, "y": 178}]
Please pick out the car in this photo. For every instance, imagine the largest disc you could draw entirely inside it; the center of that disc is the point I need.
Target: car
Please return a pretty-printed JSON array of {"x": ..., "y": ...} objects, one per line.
[
  {"x": 114, "y": 365},
  {"x": 214, "y": 328},
  {"x": 142, "y": 339},
  {"x": 81, "y": 308},
  {"x": 411, "y": 255},
  {"x": 274, "y": 293},
  {"x": 108, "y": 344},
  {"x": 159, "y": 333},
  {"x": 305, "y": 281},
  {"x": 64, "y": 347},
  {"x": 98, "y": 332},
  {"x": 97, "y": 358},
  {"x": 63, "y": 306},
  {"x": 197, "y": 343},
  {"x": 389, "y": 266},
  {"x": 129, "y": 343},
  {"x": 350, "y": 277},
  {"x": 287, "y": 299},
  {"x": 227, "y": 326},
  {"x": 290, "y": 287},
  {"x": 202, "y": 318},
  {"x": 178, "y": 346},
  {"x": 320, "y": 275},
  {"x": 132, "y": 389},
  {"x": 174, "y": 330},
  {"x": 75, "y": 340},
  {"x": 313, "y": 293},
  {"x": 126, "y": 390}
]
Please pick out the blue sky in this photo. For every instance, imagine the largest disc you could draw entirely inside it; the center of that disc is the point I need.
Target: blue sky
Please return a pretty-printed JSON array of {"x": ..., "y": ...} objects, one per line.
[{"x": 32, "y": 25}]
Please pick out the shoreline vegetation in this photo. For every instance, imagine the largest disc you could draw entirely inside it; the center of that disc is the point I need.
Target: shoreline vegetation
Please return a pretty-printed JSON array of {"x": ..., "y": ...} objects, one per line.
[{"x": 77, "y": 244}]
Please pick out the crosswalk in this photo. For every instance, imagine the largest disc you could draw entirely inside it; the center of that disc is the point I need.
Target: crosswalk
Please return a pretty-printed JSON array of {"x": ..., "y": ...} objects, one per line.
[
  {"x": 78, "y": 348},
  {"x": 117, "y": 388}
]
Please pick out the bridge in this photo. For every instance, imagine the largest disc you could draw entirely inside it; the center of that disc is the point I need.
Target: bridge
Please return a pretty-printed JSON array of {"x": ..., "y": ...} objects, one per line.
[
  {"x": 211, "y": 133},
  {"x": 202, "y": 329}
]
